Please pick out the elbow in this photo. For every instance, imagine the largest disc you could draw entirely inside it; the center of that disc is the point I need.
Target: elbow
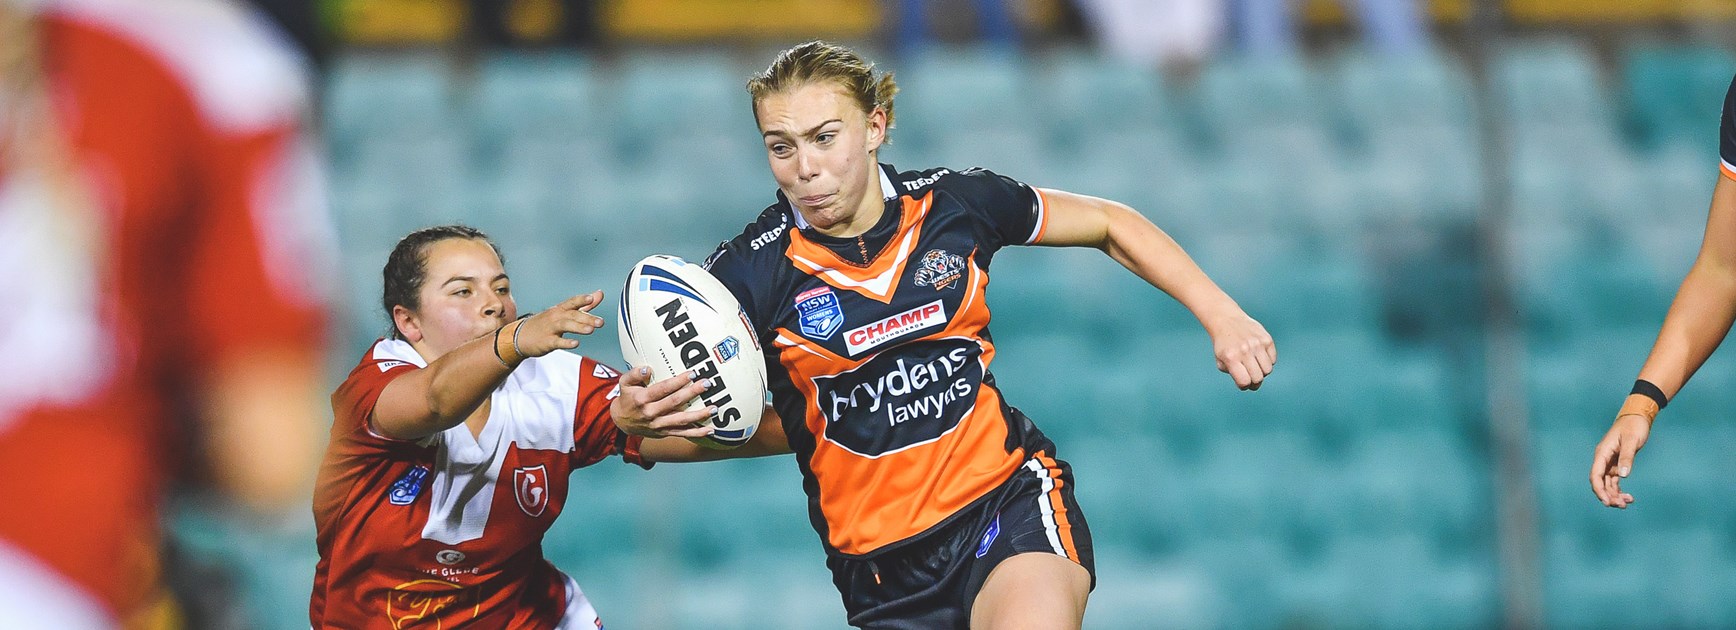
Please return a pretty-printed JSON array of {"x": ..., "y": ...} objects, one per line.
[{"x": 1121, "y": 228}]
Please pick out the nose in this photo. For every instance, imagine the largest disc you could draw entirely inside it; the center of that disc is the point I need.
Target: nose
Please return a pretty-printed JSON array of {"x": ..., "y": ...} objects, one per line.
[
  {"x": 805, "y": 165},
  {"x": 494, "y": 307}
]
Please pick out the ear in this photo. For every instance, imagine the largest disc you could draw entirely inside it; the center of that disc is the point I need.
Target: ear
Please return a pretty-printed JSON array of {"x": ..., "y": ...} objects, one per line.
[
  {"x": 406, "y": 323},
  {"x": 876, "y": 129}
]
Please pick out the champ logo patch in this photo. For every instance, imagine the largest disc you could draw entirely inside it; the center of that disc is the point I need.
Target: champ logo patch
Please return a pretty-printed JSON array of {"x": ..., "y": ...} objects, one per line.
[
  {"x": 819, "y": 313},
  {"x": 604, "y": 371},
  {"x": 531, "y": 486},
  {"x": 872, "y": 335},
  {"x": 939, "y": 269}
]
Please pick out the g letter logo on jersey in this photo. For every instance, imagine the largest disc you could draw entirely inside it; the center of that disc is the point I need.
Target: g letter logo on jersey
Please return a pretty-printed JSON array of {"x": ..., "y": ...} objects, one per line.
[
  {"x": 820, "y": 313},
  {"x": 939, "y": 269},
  {"x": 531, "y": 486}
]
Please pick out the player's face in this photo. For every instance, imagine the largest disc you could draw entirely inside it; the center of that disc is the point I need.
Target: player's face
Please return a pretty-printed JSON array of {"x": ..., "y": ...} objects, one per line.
[
  {"x": 821, "y": 146},
  {"x": 465, "y": 295}
]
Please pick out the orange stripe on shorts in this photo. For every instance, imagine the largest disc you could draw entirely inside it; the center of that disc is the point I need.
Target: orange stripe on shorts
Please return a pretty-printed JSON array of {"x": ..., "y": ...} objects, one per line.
[{"x": 1063, "y": 527}]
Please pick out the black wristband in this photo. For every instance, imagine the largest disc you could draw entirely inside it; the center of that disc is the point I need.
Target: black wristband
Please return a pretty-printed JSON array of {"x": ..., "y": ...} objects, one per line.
[
  {"x": 1645, "y": 388},
  {"x": 497, "y": 356}
]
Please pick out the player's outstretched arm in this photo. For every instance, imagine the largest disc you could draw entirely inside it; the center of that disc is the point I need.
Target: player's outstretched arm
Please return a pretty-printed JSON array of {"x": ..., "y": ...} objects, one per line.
[
  {"x": 769, "y": 439},
  {"x": 1243, "y": 348},
  {"x": 439, "y": 397},
  {"x": 1698, "y": 320}
]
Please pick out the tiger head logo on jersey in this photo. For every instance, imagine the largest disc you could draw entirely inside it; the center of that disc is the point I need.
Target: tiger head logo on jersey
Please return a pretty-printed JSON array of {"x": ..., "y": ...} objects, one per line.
[
  {"x": 940, "y": 269},
  {"x": 531, "y": 486},
  {"x": 820, "y": 313}
]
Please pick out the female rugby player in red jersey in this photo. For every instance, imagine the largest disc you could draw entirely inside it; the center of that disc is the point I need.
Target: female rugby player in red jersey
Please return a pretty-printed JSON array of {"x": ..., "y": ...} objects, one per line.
[
  {"x": 453, "y": 440},
  {"x": 1697, "y": 322},
  {"x": 939, "y": 504}
]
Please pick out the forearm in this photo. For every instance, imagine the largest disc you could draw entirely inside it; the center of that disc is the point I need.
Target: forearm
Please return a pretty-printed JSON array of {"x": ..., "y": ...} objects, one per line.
[
  {"x": 1149, "y": 252},
  {"x": 262, "y": 428},
  {"x": 1697, "y": 323},
  {"x": 442, "y": 395},
  {"x": 769, "y": 439},
  {"x": 461, "y": 380}
]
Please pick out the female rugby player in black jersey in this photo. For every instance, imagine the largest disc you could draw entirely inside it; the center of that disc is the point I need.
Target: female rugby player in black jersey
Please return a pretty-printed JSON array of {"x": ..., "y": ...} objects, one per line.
[
  {"x": 939, "y": 504},
  {"x": 1697, "y": 322}
]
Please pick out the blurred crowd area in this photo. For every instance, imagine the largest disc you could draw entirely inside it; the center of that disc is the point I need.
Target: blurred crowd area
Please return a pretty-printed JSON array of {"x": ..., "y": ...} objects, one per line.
[{"x": 1386, "y": 185}]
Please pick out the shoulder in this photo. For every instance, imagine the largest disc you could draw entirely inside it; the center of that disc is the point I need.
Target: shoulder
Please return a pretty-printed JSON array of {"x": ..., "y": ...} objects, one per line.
[
  {"x": 970, "y": 184},
  {"x": 761, "y": 238},
  {"x": 386, "y": 354},
  {"x": 919, "y": 183},
  {"x": 385, "y": 360},
  {"x": 240, "y": 73}
]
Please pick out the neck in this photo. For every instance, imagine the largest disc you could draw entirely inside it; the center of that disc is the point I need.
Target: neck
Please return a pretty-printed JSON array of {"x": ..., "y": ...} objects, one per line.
[{"x": 421, "y": 347}]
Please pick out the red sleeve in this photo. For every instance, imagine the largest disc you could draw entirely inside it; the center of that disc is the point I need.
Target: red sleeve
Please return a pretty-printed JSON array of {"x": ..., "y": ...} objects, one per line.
[
  {"x": 256, "y": 249},
  {"x": 260, "y": 243},
  {"x": 595, "y": 435},
  {"x": 353, "y": 406}
]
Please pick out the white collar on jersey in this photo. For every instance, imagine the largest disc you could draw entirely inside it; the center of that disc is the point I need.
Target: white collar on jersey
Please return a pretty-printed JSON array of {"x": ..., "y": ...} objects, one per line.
[{"x": 887, "y": 192}]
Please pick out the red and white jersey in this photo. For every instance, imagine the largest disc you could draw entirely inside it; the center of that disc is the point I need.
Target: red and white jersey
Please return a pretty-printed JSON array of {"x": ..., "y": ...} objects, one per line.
[
  {"x": 447, "y": 531},
  {"x": 161, "y": 214}
]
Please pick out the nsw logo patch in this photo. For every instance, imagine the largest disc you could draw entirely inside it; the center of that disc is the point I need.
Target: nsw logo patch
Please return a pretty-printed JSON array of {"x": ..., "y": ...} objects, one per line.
[
  {"x": 819, "y": 313},
  {"x": 407, "y": 487}
]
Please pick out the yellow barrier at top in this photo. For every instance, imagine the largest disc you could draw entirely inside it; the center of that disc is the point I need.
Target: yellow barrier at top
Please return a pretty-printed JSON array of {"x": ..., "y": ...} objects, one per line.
[{"x": 682, "y": 20}]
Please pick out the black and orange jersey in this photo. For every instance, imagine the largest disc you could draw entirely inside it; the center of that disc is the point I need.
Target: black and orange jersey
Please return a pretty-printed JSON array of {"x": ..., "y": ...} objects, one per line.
[
  {"x": 1727, "y": 134},
  {"x": 878, "y": 351}
]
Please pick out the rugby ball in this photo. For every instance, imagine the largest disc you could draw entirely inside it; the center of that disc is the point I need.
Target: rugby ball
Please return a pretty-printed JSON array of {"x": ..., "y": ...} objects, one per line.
[{"x": 676, "y": 317}]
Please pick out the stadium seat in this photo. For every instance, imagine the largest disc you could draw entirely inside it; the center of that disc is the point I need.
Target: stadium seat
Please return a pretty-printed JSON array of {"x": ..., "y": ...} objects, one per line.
[
  {"x": 1246, "y": 96},
  {"x": 1418, "y": 174},
  {"x": 669, "y": 93},
  {"x": 1674, "y": 92},
  {"x": 1551, "y": 81},
  {"x": 1427, "y": 89},
  {"x": 387, "y": 95},
  {"x": 540, "y": 95},
  {"x": 962, "y": 89},
  {"x": 1084, "y": 93}
]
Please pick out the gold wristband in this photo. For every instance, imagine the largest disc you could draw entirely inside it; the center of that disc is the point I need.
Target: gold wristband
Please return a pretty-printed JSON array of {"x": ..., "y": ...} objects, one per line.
[
  {"x": 504, "y": 346},
  {"x": 1639, "y": 405}
]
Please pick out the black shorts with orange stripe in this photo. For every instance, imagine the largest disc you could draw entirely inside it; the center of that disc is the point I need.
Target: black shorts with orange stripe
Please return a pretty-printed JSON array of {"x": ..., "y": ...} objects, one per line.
[{"x": 933, "y": 582}]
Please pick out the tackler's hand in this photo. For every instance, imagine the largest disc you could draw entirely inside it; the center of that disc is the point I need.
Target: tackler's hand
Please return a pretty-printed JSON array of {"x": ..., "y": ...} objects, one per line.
[
  {"x": 658, "y": 409},
  {"x": 544, "y": 332}
]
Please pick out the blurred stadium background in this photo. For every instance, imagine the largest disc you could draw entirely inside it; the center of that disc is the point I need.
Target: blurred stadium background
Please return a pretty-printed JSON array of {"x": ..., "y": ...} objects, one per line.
[{"x": 1464, "y": 254}]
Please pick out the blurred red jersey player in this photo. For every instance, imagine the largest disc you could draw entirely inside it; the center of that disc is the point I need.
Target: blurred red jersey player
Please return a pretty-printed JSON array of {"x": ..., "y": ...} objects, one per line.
[{"x": 161, "y": 221}]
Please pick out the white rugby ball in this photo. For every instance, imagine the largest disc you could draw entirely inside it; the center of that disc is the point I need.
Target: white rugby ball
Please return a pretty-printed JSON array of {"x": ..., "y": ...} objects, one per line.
[{"x": 676, "y": 317}]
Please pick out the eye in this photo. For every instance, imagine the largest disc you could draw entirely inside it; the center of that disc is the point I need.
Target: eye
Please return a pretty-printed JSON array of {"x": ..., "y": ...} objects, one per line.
[
  {"x": 462, "y": 293},
  {"x": 826, "y": 138},
  {"x": 503, "y": 290},
  {"x": 781, "y": 150}
]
